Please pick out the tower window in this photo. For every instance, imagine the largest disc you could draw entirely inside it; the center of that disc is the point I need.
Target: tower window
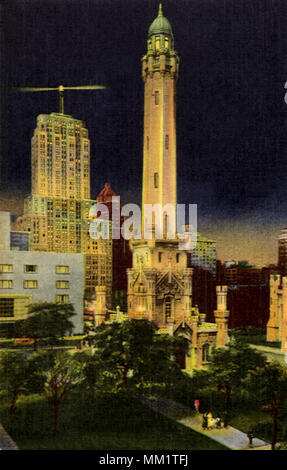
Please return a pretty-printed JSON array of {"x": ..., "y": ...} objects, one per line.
[
  {"x": 177, "y": 257},
  {"x": 155, "y": 180},
  {"x": 159, "y": 257},
  {"x": 167, "y": 307},
  {"x": 166, "y": 42},
  {"x": 166, "y": 143},
  {"x": 157, "y": 42},
  {"x": 156, "y": 97}
]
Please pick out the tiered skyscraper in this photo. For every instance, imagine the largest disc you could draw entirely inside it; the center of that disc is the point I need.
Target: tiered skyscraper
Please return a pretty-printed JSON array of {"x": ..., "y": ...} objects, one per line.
[{"x": 57, "y": 212}]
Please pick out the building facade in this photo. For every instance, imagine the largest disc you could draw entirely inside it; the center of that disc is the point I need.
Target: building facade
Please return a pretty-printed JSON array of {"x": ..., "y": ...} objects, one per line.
[
  {"x": 57, "y": 214},
  {"x": 204, "y": 254},
  {"x": 28, "y": 277}
]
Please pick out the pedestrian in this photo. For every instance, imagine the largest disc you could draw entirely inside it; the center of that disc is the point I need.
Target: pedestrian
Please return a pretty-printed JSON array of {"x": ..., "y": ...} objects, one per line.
[
  {"x": 218, "y": 422},
  {"x": 250, "y": 436},
  {"x": 209, "y": 420},
  {"x": 196, "y": 405},
  {"x": 204, "y": 421}
]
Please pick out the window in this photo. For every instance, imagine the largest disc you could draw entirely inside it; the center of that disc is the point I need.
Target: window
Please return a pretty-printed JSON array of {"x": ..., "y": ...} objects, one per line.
[
  {"x": 159, "y": 257},
  {"x": 62, "y": 269},
  {"x": 166, "y": 142},
  {"x": 6, "y": 284},
  {"x": 205, "y": 352},
  {"x": 155, "y": 180},
  {"x": 62, "y": 299},
  {"x": 167, "y": 307},
  {"x": 6, "y": 307},
  {"x": 177, "y": 257},
  {"x": 156, "y": 97},
  {"x": 30, "y": 268},
  {"x": 6, "y": 268},
  {"x": 157, "y": 42},
  {"x": 166, "y": 42},
  {"x": 29, "y": 284},
  {"x": 62, "y": 284}
]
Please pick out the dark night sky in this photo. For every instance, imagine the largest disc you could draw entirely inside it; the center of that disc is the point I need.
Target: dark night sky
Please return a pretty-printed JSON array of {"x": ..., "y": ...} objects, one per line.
[{"x": 231, "y": 115}]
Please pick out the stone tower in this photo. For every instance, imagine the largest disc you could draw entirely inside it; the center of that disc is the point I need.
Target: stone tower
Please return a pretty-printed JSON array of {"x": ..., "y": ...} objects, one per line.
[
  {"x": 159, "y": 71},
  {"x": 159, "y": 284},
  {"x": 277, "y": 324},
  {"x": 221, "y": 315}
]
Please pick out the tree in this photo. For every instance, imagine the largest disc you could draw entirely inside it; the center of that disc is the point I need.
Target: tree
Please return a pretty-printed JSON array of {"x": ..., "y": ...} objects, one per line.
[
  {"x": 230, "y": 365},
  {"x": 132, "y": 354},
  {"x": 90, "y": 369},
  {"x": 13, "y": 370},
  {"x": 19, "y": 374},
  {"x": 47, "y": 320},
  {"x": 62, "y": 377},
  {"x": 269, "y": 384}
]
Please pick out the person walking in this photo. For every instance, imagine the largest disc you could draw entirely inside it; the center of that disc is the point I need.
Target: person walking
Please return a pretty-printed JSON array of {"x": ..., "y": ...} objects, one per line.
[
  {"x": 250, "y": 436},
  {"x": 196, "y": 405},
  {"x": 204, "y": 422},
  {"x": 209, "y": 420}
]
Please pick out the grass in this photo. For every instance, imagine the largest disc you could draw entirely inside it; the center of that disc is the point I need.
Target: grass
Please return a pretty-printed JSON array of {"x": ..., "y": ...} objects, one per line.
[
  {"x": 104, "y": 422},
  {"x": 243, "y": 419}
]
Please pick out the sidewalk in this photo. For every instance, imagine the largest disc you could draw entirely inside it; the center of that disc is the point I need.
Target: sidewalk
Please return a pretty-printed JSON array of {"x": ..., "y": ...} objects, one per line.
[
  {"x": 230, "y": 437},
  {"x": 6, "y": 443}
]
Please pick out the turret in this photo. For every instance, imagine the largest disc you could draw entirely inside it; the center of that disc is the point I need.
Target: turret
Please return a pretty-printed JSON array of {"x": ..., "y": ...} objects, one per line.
[{"x": 221, "y": 315}]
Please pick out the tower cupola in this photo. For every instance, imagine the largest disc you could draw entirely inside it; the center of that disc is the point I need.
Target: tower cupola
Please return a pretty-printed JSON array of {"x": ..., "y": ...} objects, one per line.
[{"x": 160, "y": 35}]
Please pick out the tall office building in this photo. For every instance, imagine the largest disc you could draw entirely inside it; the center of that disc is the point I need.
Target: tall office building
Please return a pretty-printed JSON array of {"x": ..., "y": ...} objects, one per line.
[
  {"x": 57, "y": 213},
  {"x": 60, "y": 157}
]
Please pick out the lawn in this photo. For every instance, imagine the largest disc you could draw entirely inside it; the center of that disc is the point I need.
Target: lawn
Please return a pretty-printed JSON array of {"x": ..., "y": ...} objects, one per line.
[
  {"x": 260, "y": 421},
  {"x": 105, "y": 422}
]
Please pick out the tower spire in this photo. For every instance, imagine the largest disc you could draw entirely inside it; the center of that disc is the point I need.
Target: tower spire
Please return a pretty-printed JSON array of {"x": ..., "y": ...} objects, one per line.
[{"x": 160, "y": 9}]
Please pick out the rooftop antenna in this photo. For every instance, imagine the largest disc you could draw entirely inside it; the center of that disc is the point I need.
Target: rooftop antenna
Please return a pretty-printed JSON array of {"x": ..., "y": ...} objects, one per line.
[{"x": 61, "y": 90}]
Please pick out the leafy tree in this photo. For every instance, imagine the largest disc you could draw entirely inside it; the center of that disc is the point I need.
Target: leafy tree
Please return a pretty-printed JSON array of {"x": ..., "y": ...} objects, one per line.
[
  {"x": 22, "y": 375},
  {"x": 63, "y": 376},
  {"x": 47, "y": 320},
  {"x": 269, "y": 384},
  {"x": 90, "y": 368},
  {"x": 14, "y": 373},
  {"x": 230, "y": 365},
  {"x": 132, "y": 354}
]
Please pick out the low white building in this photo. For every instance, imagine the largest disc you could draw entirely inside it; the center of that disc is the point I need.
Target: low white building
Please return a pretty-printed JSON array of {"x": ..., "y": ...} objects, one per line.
[{"x": 28, "y": 276}]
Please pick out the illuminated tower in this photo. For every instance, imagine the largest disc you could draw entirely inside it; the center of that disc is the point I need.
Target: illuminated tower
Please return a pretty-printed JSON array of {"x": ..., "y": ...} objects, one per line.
[
  {"x": 159, "y": 71},
  {"x": 60, "y": 157},
  {"x": 159, "y": 284}
]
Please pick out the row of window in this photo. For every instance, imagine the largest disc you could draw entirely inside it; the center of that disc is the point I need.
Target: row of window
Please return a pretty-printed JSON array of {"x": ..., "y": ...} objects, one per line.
[
  {"x": 7, "y": 305},
  {"x": 31, "y": 284},
  {"x": 33, "y": 268}
]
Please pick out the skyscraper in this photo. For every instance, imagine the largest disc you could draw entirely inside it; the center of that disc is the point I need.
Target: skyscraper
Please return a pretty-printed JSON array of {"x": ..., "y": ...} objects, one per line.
[
  {"x": 60, "y": 157},
  {"x": 57, "y": 214}
]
